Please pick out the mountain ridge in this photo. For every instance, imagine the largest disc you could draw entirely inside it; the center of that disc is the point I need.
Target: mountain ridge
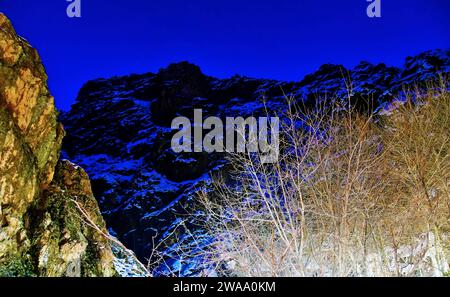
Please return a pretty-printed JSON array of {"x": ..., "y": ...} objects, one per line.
[{"x": 119, "y": 130}]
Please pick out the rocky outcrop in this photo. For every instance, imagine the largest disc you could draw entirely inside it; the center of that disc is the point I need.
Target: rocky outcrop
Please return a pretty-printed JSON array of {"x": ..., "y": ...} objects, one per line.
[
  {"x": 50, "y": 224},
  {"x": 68, "y": 231},
  {"x": 118, "y": 130}
]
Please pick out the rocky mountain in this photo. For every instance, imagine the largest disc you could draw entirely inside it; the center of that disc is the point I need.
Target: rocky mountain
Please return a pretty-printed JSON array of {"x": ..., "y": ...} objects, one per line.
[
  {"x": 119, "y": 130},
  {"x": 50, "y": 223}
]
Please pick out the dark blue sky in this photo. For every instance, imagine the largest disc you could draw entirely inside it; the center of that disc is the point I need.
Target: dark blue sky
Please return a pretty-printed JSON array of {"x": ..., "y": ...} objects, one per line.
[{"x": 281, "y": 39}]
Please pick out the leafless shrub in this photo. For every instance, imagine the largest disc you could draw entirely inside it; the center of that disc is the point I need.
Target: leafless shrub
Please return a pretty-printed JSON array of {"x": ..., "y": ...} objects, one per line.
[{"x": 351, "y": 195}]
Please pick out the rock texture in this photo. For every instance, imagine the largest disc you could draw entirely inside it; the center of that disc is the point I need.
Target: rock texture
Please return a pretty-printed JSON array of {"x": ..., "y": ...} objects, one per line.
[
  {"x": 42, "y": 231},
  {"x": 118, "y": 130}
]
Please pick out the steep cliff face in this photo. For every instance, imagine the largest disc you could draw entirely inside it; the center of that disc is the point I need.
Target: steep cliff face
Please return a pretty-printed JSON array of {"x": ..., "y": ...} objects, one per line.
[
  {"x": 119, "y": 130},
  {"x": 46, "y": 205}
]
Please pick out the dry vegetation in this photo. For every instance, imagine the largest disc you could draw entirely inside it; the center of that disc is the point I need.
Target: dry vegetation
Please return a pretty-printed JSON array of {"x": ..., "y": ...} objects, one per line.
[{"x": 351, "y": 195}]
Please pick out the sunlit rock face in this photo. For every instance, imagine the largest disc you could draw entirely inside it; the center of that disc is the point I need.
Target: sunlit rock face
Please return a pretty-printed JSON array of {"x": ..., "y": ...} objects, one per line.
[
  {"x": 119, "y": 131},
  {"x": 42, "y": 231}
]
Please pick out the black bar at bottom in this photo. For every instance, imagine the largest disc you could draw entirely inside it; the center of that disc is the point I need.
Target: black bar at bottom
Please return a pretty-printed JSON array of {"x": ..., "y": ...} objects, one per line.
[{"x": 143, "y": 287}]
